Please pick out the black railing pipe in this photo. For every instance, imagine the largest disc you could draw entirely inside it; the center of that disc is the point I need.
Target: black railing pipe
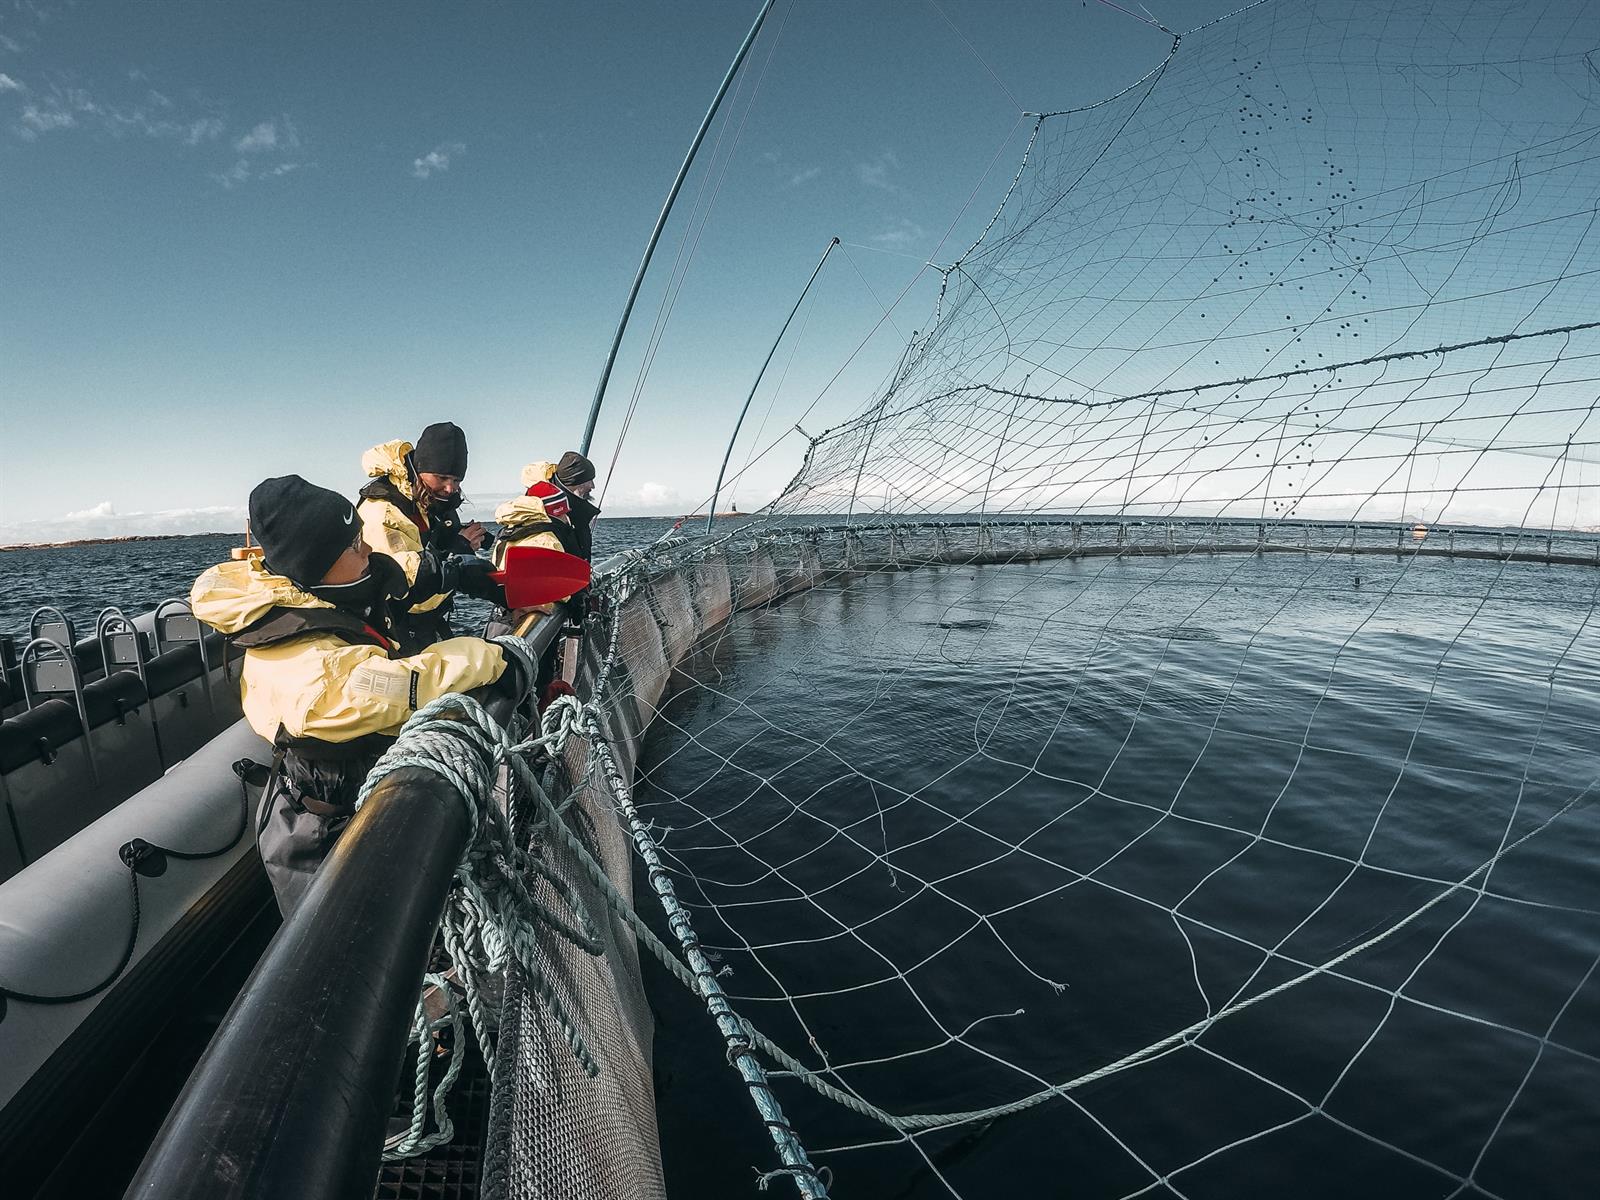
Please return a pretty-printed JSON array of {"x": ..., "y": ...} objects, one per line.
[{"x": 293, "y": 1096}]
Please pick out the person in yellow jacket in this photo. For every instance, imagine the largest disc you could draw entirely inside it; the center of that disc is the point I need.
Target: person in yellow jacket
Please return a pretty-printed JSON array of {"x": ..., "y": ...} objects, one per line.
[
  {"x": 538, "y": 517},
  {"x": 323, "y": 678},
  {"x": 408, "y": 511}
]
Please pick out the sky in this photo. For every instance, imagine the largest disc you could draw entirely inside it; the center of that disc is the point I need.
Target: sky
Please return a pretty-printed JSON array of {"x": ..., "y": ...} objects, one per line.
[{"x": 241, "y": 240}]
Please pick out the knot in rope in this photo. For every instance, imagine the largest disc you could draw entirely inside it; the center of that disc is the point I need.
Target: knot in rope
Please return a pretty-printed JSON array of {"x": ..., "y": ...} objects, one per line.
[{"x": 502, "y": 893}]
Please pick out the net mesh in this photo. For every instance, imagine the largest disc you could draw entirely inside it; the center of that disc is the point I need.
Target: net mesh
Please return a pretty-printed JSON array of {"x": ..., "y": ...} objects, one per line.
[{"x": 1212, "y": 807}]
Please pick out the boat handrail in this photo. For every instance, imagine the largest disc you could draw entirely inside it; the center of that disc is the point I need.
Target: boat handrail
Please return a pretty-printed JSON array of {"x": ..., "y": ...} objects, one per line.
[
  {"x": 48, "y": 621},
  {"x": 120, "y": 644},
  {"x": 159, "y": 629},
  {"x": 48, "y": 650}
]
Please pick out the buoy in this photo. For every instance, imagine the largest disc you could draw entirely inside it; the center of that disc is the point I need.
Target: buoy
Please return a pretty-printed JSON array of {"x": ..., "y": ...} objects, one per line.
[{"x": 248, "y": 550}]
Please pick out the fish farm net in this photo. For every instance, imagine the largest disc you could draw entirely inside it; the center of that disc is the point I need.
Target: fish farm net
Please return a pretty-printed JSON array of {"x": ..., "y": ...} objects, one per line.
[{"x": 1149, "y": 749}]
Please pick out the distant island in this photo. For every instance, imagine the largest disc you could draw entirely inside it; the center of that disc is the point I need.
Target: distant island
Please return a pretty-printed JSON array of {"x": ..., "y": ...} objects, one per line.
[{"x": 111, "y": 541}]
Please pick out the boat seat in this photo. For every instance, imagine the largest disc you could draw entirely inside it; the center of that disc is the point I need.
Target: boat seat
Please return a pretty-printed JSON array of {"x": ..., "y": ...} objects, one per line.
[
  {"x": 90, "y": 663},
  {"x": 226, "y": 662},
  {"x": 49, "y": 769},
  {"x": 176, "y": 626},
  {"x": 47, "y": 785},
  {"x": 10, "y": 853},
  {"x": 125, "y": 746},
  {"x": 184, "y": 722}
]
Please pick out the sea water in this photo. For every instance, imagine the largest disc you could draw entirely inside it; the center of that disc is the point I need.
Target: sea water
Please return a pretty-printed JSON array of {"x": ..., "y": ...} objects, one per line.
[
  {"x": 135, "y": 576},
  {"x": 905, "y": 808}
]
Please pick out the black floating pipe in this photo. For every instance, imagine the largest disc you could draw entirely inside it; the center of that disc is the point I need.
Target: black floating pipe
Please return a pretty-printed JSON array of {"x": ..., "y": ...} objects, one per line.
[
  {"x": 661, "y": 223},
  {"x": 293, "y": 1096},
  {"x": 716, "y": 492}
]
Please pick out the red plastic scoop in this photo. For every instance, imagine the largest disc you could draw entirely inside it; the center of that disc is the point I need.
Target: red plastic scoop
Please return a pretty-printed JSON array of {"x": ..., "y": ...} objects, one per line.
[{"x": 534, "y": 576}]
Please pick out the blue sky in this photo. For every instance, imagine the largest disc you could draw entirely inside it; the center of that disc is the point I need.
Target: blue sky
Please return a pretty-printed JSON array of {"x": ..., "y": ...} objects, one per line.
[{"x": 241, "y": 240}]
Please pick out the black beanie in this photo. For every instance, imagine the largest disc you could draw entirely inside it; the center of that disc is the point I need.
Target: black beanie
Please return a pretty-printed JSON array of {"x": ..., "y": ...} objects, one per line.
[
  {"x": 574, "y": 469},
  {"x": 441, "y": 450},
  {"x": 302, "y": 528}
]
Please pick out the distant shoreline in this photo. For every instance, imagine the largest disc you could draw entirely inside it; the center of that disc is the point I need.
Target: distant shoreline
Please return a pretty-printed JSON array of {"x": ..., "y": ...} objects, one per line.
[{"x": 111, "y": 541}]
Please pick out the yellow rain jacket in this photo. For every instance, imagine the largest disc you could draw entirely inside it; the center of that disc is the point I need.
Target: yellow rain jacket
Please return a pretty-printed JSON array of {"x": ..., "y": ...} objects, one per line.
[
  {"x": 385, "y": 525},
  {"x": 526, "y": 521},
  {"x": 319, "y": 684}
]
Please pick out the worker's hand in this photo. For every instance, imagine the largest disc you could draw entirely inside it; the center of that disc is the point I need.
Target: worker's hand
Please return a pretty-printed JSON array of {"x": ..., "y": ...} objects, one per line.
[
  {"x": 474, "y": 534},
  {"x": 472, "y": 576},
  {"x": 553, "y": 691},
  {"x": 514, "y": 682}
]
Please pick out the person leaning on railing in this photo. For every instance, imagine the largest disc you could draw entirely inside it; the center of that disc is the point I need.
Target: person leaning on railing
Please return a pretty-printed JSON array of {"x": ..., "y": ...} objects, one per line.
[
  {"x": 324, "y": 678},
  {"x": 554, "y": 513},
  {"x": 408, "y": 511}
]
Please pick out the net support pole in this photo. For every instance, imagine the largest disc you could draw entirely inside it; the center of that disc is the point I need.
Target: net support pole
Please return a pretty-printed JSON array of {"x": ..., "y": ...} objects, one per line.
[
  {"x": 711, "y": 513},
  {"x": 661, "y": 221}
]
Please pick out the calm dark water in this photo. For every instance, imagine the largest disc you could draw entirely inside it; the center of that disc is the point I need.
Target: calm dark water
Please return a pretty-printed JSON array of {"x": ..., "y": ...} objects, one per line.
[
  {"x": 136, "y": 576},
  {"x": 899, "y": 807}
]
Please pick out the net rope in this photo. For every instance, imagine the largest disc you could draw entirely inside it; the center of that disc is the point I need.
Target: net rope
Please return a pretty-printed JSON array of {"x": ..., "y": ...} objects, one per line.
[
  {"x": 1151, "y": 739},
  {"x": 1279, "y": 357}
]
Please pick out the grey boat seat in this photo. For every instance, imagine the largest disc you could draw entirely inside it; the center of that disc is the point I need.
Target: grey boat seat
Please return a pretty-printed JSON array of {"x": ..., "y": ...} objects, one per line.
[
  {"x": 54, "y": 781},
  {"x": 226, "y": 662},
  {"x": 178, "y": 704},
  {"x": 126, "y": 750},
  {"x": 175, "y": 625},
  {"x": 45, "y": 775}
]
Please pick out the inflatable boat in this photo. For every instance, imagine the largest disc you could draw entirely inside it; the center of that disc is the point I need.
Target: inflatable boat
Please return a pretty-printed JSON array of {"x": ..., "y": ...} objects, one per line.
[{"x": 127, "y": 867}]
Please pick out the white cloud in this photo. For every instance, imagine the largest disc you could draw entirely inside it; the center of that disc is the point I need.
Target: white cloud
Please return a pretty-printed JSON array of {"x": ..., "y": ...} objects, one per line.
[
  {"x": 98, "y": 512},
  {"x": 234, "y": 175},
  {"x": 36, "y": 120},
  {"x": 875, "y": 174},
  {"x": 102, "y": 520},
  {"x": 10, "y": 44},
  {"x": 269, "y": 135},
  {"x": 203, "y": 130},
  {"x": 436, "y": 160},
  {"x": 805, "y": 176},
  {"x": 903, "y": 233},
  {"x": 153, "y": 116},
  {"x": 656, "y": 494}
]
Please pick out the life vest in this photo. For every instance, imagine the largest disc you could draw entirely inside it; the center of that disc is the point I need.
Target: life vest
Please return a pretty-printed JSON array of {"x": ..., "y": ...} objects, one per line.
[
  {"x": 439, "y": 524},
  {"x": 384, "y": 489},
  {"x": 582, "y": 516},
  {"x": 565, "y": 534},
  {"x": 283, "y": 623}
]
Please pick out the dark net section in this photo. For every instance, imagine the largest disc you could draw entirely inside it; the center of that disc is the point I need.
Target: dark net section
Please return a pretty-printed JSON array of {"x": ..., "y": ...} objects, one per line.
[{"x": 554, "y": 1130}]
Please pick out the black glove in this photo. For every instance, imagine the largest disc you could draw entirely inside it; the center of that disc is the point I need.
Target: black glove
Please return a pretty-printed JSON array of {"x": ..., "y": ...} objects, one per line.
[
  {"x": 514, "y": 682},
  {"x": 472, "y": 577},
  {"x": 434, "y": 575}
]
